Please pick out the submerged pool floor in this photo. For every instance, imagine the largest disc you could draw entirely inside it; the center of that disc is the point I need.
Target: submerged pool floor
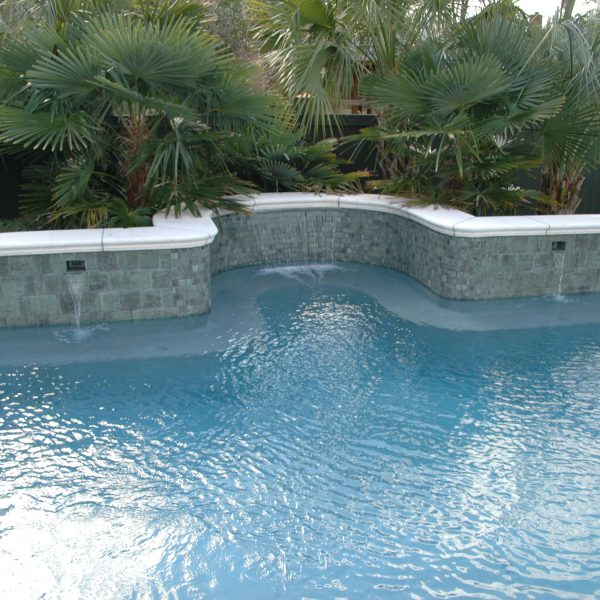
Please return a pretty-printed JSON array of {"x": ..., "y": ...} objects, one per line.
[{"x": 331, "y": 431}]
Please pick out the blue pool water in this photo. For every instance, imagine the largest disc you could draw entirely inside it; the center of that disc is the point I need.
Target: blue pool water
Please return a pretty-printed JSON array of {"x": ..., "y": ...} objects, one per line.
[{"x": 327, "y": 432}]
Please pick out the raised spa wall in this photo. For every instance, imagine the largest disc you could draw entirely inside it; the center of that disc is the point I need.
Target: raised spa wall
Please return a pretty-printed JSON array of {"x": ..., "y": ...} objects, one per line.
[{"x": 165, "y": 270}]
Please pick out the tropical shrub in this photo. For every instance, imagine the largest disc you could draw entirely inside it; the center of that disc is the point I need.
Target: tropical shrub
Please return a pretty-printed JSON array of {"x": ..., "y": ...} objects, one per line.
[
  {"x": 279, "y": 160},
  {"x": 125, "y": 112},
  {"x": 462, "y": 101},
  {"x": 318, "y": 51},
  {"x": 458, "y": 118},
  {"x": 570, "y": 141}
]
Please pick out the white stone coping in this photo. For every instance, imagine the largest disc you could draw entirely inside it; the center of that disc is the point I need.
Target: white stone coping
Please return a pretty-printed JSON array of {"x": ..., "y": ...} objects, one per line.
[
  {"x": 449, "y": 221},
  {"x": 168, "y": 232},
  {"x": 188, "y": 231}
]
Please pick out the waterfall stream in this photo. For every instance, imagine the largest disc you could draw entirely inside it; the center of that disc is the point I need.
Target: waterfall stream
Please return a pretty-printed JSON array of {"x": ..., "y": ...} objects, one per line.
[
  {"x": 559, "y": 269},
  {"x": 76, "y": 286}
]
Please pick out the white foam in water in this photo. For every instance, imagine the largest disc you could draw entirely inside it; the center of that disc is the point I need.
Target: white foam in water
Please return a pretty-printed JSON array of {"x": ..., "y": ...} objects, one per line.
[
  {"x": 313, "y": 271},
  {"x": 77, "y": 335}
]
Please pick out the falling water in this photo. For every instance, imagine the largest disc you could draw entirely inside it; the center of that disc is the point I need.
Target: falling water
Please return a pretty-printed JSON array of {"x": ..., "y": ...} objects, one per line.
[
  {"x": 260, "y": 246},
  {"x": 299, "y": 237},
  {"x": 559, "y": 268},
  {"x": 76, "y": 285}
]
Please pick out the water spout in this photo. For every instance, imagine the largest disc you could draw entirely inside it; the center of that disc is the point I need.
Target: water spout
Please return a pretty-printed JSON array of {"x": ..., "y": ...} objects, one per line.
[
  {"x": 558, "y": 254},
  {"x": 76, "y": 287}
]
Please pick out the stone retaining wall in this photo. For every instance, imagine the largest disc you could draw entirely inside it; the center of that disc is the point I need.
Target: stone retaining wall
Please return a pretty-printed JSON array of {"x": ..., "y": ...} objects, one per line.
[
  {"x": 165, "y": 270},
  {"x": 465, "y": 268},
  {"x": 138, "y": 284}
]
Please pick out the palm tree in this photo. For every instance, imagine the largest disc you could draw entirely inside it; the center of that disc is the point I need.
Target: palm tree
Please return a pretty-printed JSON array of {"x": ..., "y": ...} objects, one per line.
[
  {"x": 319, "y": 51},
  {"x": 128, "y": 111},
  {"x": 571, "y": 140},
  {"x": 459, "y": 115}
]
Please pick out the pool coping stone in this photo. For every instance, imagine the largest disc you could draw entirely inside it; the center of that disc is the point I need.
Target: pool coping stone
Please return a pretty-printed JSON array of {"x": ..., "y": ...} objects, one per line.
[{"x": 188, "y": 231}]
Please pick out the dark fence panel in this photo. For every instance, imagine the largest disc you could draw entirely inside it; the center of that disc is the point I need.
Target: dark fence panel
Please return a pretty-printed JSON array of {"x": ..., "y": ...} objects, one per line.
[
  {"x": 591, "y": 194},
  {"x": 364, "y": 156},
  {"x": 10, "y": 180}
]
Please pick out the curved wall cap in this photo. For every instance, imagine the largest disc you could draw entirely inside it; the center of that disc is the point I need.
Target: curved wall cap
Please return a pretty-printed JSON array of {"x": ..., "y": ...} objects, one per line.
[
  {"x": 168, "y": 232},
  {"x": 449, "y": 221},
  {"x": 21, "y": 243},
  {"x": 187, "y": 231}
]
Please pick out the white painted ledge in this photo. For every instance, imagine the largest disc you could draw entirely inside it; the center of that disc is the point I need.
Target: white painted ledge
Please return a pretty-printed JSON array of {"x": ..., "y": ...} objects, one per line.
[
  {"x": 21, "y": 243},
  {"x": 290, "y": 200},
  {"x": 168, "y": 232},
  {"x": 563, "y": 224},
  {"x": 499, "y": 226},
  {"x": 188, "y": 231},
  {"x": 449, "y": 221}
]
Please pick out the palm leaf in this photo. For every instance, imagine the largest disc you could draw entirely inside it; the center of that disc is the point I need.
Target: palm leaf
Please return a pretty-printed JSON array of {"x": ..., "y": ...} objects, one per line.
[
  {"x": 463, "y": 85},
  {"x": 163, "y": 106},
  {"x": 16, "y": 55},
  {"x": 70, "y": 73},
  {"x": 401, "y": 93},
  {"x": 159, "y": 57},
  {"x": 72, "y": 182},
  {"x": 282, "y": 174},
  {"x": 571, "y": 139},
  {"x": 41, "y": 130},
  {"x": 313, "y": 13}
]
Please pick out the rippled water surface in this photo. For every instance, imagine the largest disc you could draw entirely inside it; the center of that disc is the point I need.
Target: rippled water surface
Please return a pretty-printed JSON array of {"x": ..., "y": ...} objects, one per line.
[{"x": 326, "y": 432}]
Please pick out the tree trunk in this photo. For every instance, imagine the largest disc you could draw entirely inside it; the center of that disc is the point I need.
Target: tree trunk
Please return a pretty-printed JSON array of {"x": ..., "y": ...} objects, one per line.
[
  {"x": 565, "y": 190},
  {"x": 136, "y": 136}
]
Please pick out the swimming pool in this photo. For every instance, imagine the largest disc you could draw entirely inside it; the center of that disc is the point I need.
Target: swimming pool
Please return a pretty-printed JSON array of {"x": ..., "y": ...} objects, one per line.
[{"x": 328, "y": 431}]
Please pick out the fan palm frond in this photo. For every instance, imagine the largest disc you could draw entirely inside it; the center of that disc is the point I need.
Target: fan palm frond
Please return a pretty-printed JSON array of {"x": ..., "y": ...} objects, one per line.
[{"x": 42, "y": 130}]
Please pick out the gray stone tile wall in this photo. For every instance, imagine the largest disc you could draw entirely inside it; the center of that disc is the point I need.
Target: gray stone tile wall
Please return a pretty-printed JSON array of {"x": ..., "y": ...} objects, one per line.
[
  {"x": 148, "y": 284},
  {"x": 453, "y": 267}
]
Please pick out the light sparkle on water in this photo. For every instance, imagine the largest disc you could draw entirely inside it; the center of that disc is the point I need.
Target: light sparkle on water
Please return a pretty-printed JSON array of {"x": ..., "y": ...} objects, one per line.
[{"x": 333, "y": 446}]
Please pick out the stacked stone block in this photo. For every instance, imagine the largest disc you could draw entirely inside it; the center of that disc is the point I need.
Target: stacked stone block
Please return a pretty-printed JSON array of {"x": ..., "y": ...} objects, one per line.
[
  {"x": 141, "y": 284},
  {"x": 149, "y": 284},
  {"x": 453, "y": 267}
]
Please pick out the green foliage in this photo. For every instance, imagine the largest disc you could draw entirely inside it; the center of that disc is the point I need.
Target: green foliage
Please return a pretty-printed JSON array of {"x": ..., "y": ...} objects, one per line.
[
  {"x": 124, "y": 112},
  {"x": 20, "y": 224},
  {"x": 570, "y": 141},
  {"x": 129, "y": 107},
  {"x": 279, "y": 161},
  {"x": 458, "y": 117},
  {"x": 312, "y": 54},
  {"x": 319, "y": 50},
  {"x": 462, "y": 101}
]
